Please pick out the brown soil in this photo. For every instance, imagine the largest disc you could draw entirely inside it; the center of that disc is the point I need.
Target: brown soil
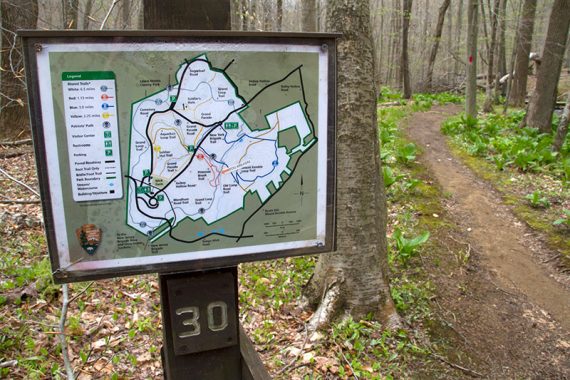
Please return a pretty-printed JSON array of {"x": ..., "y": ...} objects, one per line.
[{"x": 506, "y": 312}]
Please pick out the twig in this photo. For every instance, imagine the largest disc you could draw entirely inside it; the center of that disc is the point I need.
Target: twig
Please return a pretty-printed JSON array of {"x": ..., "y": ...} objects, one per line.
[
  {"x": 18, "y": 182},
  {"x": 456, "y": 366},
  {"x": 81, "y": 292},
  {"x": 11, "y": 201},
  {"x": 298, "y": 354},
  {"x": 8, "y": 363},
  {"x": 62, "y": 336},
  {"x": 14, "y": 154},
  {"x": 16, "y": 143},
  {"x": 346, "y": 360},
  {"x": 108, "y": 14}
]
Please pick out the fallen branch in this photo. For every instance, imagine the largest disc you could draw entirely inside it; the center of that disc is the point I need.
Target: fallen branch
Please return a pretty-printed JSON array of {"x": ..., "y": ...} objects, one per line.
[
  {"x": 12, "y": 201},
  {"x": 456, "y": 366},
  {"x": 19, "y": 182},
  {"x": 16, "y": 143},
  {"x": 282, "y": 370},
  {"x": 108, "y": 14},
  {"x": 14, "y": 154}
]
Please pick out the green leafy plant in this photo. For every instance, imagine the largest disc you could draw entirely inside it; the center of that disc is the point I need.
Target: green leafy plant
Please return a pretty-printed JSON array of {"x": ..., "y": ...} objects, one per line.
[
  {"x": 565, "y": 220},
  {"x": 407, "y": 248},
  {"x": 537, "y": 200},
  {"x": 407, "y": 153},
  {"x": 389, "y": 177}
]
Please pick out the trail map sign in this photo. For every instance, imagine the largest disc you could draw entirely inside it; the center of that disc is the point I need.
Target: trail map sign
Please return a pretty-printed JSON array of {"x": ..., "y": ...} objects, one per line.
[{"x": 181, "y": 152}]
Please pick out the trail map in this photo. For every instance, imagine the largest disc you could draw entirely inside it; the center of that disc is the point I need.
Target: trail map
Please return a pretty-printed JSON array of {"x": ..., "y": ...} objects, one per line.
[
  {"x": 196, "y": 155},
  {"x": 161, "y": 153}
]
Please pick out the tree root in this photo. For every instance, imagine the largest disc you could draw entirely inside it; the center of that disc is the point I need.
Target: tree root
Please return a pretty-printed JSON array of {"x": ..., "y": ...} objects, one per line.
[{"x": 327, "y": 307}]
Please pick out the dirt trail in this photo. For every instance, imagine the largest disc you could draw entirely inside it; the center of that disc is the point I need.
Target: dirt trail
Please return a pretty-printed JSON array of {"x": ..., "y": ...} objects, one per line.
[{"x": 513, "y": 308}]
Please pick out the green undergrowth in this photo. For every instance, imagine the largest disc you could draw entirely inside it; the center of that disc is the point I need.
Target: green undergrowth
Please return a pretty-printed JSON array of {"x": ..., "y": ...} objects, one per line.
[{"x": 519, "y": 162}]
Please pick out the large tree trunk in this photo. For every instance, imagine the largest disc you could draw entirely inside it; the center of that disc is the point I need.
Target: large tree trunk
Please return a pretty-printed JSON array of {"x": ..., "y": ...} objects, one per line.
[
  {"x": 353, "y": 279},
  {"x": 405, "y": 61},
  {"x": 562, "y": 130},
  {"x": 472, "y": 29},
  {"x": 187, "y": 14},
  {"x": 489, "y": 98},
  {"x": 517, "y": 95},
  {"x": 543, "y": 98},
  {"x": 436, "y": 39},
  {"x": 309, "y": 15},
  {"x": 14, "y": 119}
]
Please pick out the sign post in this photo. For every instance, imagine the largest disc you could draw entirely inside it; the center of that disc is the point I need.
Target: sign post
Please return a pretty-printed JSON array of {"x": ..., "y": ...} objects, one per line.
[{"x": 181, "y": 153}]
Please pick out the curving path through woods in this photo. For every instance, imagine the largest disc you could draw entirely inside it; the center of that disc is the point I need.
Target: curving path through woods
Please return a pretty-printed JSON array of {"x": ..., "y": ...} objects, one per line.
[{"x": 513, "y": 299}]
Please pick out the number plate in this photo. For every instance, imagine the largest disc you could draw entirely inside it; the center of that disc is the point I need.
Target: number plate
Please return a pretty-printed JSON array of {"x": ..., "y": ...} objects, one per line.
[{"x": 203, "y": 312}]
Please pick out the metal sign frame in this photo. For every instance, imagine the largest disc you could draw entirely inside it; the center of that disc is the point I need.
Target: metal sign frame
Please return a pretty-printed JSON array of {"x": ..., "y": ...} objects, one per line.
[{"x": 32, "y": 43}]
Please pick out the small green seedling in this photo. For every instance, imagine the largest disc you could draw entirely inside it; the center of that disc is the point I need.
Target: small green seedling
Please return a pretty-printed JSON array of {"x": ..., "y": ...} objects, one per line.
[{"x": 537, "y": 200}]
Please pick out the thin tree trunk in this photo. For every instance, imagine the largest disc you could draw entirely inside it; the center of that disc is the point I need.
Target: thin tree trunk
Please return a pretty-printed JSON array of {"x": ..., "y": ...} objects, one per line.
[
  {"x": 436, "y": 39},
  {"x": 244, "y": 14},
  {"x": 472, "y": 29},
  {"x": 353, "y": 280},
  {"x": 543, "y": 99},
  {"x": 70, "y": 13},
  {"x": 279, "y": 15},
  {"x": 405, "y": 62},
  {"x": 458, "y": 31},
  {"x": 309, "y": 15},
  {"x": 449, "y": 40},
  {"x": 13, "y": 105},
  {"x": 562, "y": 130},
  {"x": 87, "y": 13},
  {"x": 489, "y": 100},
  {"x": 517, "y": 95}
]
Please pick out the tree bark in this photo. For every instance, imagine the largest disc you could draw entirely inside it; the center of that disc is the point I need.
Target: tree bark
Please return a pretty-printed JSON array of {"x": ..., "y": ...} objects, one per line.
[
  {"x": 436, "y": 39},
  {"x": 309, "y": 15},
  {"x": 187, "y": 14},
  {"x": 489, "y": 99},
  {"x": 517, "y": 95},
  {"x": 543, "y": 99},
  {"x": 353, "y": 279},
  {"x": 501, "y": 59},
  {"x": 279, "y": 15},
  {"x": 472, "y": 29},
  {"x": 14, "y": 118},
  {"x": 405, "y": 61},
  {"x": 562, "y": 130}
]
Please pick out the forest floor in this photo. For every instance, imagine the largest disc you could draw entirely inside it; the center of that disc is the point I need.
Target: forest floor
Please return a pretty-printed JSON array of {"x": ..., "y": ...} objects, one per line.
[
  {"x": 509, "y": 310},
  {"x": 480, "y": 298}
]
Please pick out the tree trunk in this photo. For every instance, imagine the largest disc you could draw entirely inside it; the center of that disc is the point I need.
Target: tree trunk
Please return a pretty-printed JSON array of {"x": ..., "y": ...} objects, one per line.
[
  {"x": 13, "y": 108},
  {"x": 125, "y": 13},
  {"x": 405, "y": 61},
  {"x": 436, "y": 38},
  {"x": 309, "y": 15},
  {"x": 70, "y": 8},
  {"x": 543, "y": 99},
  {"x": 458, "y": 31},
  {"x": 353, "y": 279},
  {"x": 489, "y": 99},
  {"x": 517, "y": 95},
  {"x": 562, "y": 130},
  {"x": 279, "y": 15},
  {"x": 244, "y": 14},
  {"x": 187, "y": 14},
  {"x": 87, "y": 13},
  {"x": 501, "y": 59},
  {"x": 472, "y": 29}
]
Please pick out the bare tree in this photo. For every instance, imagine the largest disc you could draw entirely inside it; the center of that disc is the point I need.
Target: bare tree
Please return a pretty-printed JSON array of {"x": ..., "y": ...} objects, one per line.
[
  {"x": 543, "y": 99},
  {"x": 489, "y": 98},
  {"x": 472, "y": 30},
  {"x": 309, "y": 15},
  {"x": 279, "y": 15},
  {"x": 517, "y": 94},
  {"x": 405, "y": 61},
  {"x": 353, "y": 279},
  {"x": 70, "y": 10},
  {"x": 13, "y": 109},
  {"x": 436, "y": 39}
]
